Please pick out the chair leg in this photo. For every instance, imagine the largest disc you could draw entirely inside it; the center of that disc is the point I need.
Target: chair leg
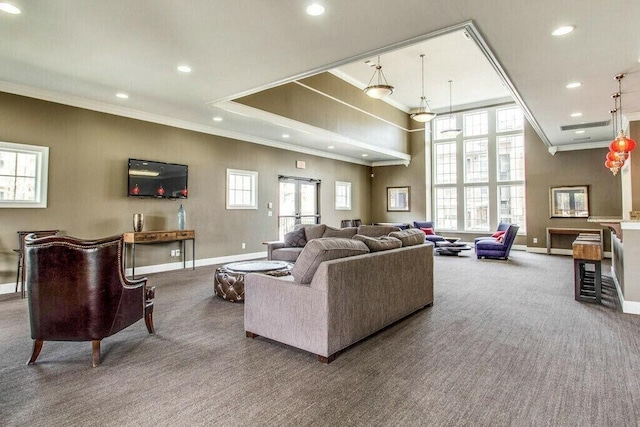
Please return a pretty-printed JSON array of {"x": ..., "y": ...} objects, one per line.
[
  {"x": 37, "y": 346},
  {"x": 95, "y": 356},
  {"x": 148, "y": 320}
]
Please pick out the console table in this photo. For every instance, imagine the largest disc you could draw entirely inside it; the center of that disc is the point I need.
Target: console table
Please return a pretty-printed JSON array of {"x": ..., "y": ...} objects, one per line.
[
  {"x": 149, "y": 237},
  {"x": 574, "y": 231}
]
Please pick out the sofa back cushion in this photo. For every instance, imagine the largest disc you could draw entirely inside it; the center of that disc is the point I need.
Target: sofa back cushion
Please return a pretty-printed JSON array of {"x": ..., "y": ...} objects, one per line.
[
  {"x": 295, "y": 238},
  {"x": 312, "y": 231},
  {"x": 382, "y": 243},
  {"x": 376, "y": 230},
  {"x": 318, "y": 250},
  {"x": 410, "y": 237},
  {"x": 345, "y": 233}
]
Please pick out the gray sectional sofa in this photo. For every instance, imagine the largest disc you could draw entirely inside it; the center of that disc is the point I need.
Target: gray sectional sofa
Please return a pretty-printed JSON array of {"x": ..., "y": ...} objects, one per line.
[
  {"x": 341, "y": 291},
  {"x": 296, "y": 240}
]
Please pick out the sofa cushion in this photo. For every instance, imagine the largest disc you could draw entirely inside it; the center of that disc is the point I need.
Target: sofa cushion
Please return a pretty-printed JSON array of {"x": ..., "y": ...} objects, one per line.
[
  {"x": 382, "y": 243},
  {"x": 295, "y": 238},
  {"x": 318, "y": 250},
  {"x": 312, "y": 231},
  {"x": 376, "y": 230},
  {"x": 345, "y": 233},
  {"x": 410, "y": 237}
]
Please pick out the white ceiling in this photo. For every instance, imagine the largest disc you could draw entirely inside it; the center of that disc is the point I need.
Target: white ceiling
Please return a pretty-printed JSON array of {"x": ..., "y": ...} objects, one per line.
[{"x": 81, "y": 53}]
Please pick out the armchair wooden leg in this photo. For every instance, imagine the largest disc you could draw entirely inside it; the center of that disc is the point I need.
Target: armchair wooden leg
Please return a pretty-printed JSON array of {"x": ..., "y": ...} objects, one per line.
[
  {"x": 148, "y": 320},
  {"x": 37, "y": 346},
  {"x": 95, "y": 357}
]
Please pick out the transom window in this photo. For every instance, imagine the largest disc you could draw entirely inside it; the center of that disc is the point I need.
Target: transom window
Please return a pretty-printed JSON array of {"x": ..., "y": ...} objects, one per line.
[
  {"x": 242, "y": 189},
  {"x": 476, "y": 124},
  {"x": 509, "y": 119},
  {"x": 23, "y": 175}
]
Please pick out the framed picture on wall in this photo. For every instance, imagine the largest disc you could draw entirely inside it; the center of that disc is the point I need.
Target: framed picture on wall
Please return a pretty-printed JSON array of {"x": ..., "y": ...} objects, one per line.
[
  {"x": 398, "y": 199},
  {"x": 569, "y": 202}
]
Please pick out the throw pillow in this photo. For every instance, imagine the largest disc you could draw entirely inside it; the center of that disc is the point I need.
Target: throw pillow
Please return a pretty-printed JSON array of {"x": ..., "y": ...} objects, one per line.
[
  {"x": 409, "y": 237},
  {"x": 382, "y": 243},
  {"x": 500, "y": 238},
  {"x": 312, "y": 231},
  {"x": 428, "y": 231},
  {"x": 376, "y": 230},
  {"x": 498, "y": 234},
  {"x": 295, "y": 239},
  {"x": 320, "y": 250}
]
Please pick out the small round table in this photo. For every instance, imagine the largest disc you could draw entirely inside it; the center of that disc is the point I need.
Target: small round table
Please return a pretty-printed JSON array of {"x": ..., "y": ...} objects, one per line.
[{"x": 228, "y": 281}]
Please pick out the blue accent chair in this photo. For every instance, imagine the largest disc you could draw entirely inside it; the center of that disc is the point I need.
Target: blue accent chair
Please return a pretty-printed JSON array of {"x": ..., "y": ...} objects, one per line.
[
  {"x": 501, "y": 227},
  {"x": 492, "y": 248},
  {"x": 433, "y": 238}
]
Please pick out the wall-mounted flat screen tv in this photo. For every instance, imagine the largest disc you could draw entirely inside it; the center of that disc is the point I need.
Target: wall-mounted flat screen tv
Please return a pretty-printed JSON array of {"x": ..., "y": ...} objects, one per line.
[{"x": 157, "y": 179}]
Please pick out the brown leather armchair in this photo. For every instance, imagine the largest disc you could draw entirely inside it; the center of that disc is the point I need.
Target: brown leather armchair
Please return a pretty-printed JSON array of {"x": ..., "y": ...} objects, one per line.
[{"x": 77, "y": 291}]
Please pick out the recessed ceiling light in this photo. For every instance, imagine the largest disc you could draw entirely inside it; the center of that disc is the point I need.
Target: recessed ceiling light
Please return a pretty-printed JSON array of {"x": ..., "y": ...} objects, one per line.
[
  {"x": 9, "y": 8},
  {"x": 365, "y": 155},
  {"x": 122, "y": 95},
  {"x": 579, "y": 131},
  {"x": 315, "y": 9},
  {"x": 561, "y": 31},
  {"x": 574, "y": 85},
  {"x": 331, "y": 147},
  {"x": 576, "y": 114},
  {"x": 184, "y": 68},
  {"x": 217, "y": 119},
  {"x": 285, "y": 135}
]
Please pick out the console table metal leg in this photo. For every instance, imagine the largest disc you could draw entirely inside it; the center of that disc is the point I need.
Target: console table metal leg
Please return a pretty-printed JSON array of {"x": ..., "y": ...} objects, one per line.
[
  {"x": 184, "y": 256},
  {"x": 133, "y": 260},
  {"x": 193, "y": 253}
]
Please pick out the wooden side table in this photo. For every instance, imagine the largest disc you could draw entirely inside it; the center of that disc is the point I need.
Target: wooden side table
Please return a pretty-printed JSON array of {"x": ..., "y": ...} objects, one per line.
[{"x": 150, "y": 237}]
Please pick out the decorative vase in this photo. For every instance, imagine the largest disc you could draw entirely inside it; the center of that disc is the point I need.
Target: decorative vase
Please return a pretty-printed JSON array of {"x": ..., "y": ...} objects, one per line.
[
  {"x": 138, "y": 222},
  {"x": 182, "y": 218}
]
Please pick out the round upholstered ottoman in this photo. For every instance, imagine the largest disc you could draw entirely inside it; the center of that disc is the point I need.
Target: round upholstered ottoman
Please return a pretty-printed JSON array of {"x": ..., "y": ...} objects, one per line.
[{"x": 228, "y": 282}]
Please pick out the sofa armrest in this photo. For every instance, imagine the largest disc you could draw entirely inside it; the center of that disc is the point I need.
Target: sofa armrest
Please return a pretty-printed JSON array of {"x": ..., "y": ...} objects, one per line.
[
  {"x": 271, "y": 246},
  {"x": 282, "y": 310}
]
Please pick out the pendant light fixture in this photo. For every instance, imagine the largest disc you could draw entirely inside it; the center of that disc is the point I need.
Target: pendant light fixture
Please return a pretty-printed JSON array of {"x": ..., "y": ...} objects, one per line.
[
  {"x": 381, "y": 88},
  {"x": 455, "y": 131},
  {"x": 622, "y": 145},
  {"x": 424, "y": 113}
]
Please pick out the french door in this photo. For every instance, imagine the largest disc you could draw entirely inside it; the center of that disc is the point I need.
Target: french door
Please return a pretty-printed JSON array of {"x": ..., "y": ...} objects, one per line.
[{"x": 299, "y": 203}]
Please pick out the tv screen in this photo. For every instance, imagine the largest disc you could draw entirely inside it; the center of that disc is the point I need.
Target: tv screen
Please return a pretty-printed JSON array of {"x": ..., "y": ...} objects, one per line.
[{"x": 157, "y": 179}]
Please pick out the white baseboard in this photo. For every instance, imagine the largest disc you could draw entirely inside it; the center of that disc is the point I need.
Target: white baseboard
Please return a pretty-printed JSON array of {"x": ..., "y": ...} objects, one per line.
[
  {"x": 629, "y": 307},
  {"x": 9, "y": 288},
  {"x": 560, "y": 251}
]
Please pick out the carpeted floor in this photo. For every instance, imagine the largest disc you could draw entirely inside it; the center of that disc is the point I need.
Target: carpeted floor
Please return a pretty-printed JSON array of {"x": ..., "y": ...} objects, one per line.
[{"x": 504, "y": 344}]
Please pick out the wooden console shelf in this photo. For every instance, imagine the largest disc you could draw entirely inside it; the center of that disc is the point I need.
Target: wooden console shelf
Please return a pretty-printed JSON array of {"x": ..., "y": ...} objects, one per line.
[{"x": 150, "y": 237}]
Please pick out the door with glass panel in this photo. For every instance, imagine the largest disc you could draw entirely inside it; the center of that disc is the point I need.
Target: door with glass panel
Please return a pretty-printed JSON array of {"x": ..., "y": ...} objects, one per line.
[{"x": 298, "y": 203}]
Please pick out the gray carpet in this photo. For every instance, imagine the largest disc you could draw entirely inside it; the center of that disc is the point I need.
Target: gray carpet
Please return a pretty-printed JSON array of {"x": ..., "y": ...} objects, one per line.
[{"x": 504, "y": 344}]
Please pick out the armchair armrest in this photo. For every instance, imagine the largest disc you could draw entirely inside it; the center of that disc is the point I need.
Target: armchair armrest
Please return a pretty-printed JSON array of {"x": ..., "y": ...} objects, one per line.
[{"x": 271, "y": 246}]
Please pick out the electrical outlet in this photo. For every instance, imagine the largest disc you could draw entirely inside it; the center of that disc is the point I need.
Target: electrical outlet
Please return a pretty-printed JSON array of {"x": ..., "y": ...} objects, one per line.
[
  {"x": 177, "y": 252},
  {"x": 270, "y": 213},
  {"x": 535, "y": 240},
  {"x": 173, "y": 252},
  {"x": 244, "y": 245}
]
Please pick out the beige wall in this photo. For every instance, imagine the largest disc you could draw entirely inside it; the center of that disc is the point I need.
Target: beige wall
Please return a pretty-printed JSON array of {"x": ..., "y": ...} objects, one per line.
[
  {"x": 308, "y": 106},
  {"x": 402, "y": 176},
  {"x": 87, "y": 181},
  {"x": 566, "y": 168}
]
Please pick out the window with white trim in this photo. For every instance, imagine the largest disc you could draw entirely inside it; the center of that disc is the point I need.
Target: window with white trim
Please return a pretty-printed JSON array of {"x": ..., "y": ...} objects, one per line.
[
  {"x": 23, "y": 175},
  {"x": 478, "y": 176},
  {"x": 242, "y": 189},
  {"x": 343, "y": 196},
  {"x": 441, "y": 124}
]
